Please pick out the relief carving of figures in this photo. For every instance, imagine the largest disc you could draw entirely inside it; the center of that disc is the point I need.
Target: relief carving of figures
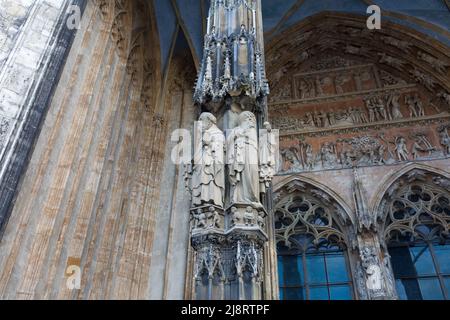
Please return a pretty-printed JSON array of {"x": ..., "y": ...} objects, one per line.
[
  {"x": 206, "y": 219},
  {"x": 305, "y": 89},
  {"x": 400, "y": 44},
  {"x": 445, "y": 97},
  {"x": 243, "y": 161},
  {"x": 332, "y": 117},
  {"x": 371, "y": 107},
  {"x": 290, "y": 160},
  {"x": 281, "y": 92},
  {"x": 362, "y": 151},
  {"x": 391, "y": 61},
  {"x": 357, "y": 115},
  {"x": 394, "y": 106},
  {"x": 340, "y": 81},
  {"x": 421, "y": 144},
  {"x": 389, "y": 80},
  {"x": 319, "y": 82},
  {"x": 415, "y": 106},
  {"x": 208, "y": 177},
  {"x": 401, "y": 149},
  {"x": 426, "y": 80},
  {"x": 306, "y": 155},
  {"x": 445, "y": 139},
  {"x": 436, "y": 64},
  {"x": 381, "y": 110},
  {"x": 328, "y": 154}
]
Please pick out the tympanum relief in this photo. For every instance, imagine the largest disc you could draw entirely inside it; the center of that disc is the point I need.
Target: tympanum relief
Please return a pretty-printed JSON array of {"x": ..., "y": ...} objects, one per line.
[{"x": 355, "y": 115}]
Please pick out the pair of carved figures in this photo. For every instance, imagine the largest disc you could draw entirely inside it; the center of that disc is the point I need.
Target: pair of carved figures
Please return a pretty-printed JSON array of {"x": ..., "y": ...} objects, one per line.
[{"x": 249, "y": 164}]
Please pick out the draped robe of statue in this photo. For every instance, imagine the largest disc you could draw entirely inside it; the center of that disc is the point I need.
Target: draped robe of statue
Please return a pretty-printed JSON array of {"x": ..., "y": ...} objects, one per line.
[
  {"x": 267, "y": 155},
  {"x": 242, "y": 148},
  {"x": 208, "y": 177}
]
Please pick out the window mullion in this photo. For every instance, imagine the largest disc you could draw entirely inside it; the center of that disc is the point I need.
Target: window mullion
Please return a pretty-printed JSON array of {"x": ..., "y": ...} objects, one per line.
[
  {"x": 438, "y": 270},
  {"x": 326, "y": 275},
  {"x": 305, "y": 276}
]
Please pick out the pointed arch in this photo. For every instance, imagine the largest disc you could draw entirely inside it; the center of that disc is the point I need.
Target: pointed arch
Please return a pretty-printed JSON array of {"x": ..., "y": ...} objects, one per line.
[
  {"x": 294, "y": 181},
  {"x": 408, "y": 169}
]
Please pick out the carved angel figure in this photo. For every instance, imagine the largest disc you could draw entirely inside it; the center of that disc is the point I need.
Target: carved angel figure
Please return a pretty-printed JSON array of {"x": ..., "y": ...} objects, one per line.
[{"x": 208, "y": 178}]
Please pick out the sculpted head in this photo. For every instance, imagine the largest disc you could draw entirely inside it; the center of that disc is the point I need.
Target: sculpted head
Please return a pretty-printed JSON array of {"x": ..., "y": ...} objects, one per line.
[
  {"x": 248, "y": 119},
  {"x": 208, "y": 120}
]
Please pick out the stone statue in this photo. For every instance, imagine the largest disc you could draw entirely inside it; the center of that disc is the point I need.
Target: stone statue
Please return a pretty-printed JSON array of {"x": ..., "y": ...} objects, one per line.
[
  {"x": 317, "y": 119},
  {"x": 372, "y": 266},
  {"x": 309, "y": 161},
  {"x": 199, "y": 219},
  {"x": 310, "y": 119},
  {"x": 374, "y": 279},
  {"x": 445, "y": 141},
  {"x": 421, "y": 144},
  {"x": 401, "y": 148},
  {"x": 394, "y": 104},
  {"x": 328, "y": 155},
  {"x": 243, "y": 161},
  {"x": 208, "y": 178},
  {"x": 382, "y": 109},
  {"x": 332, "y": 117},
  {"x": 363, "y": 116},
  {"x": 319, "y": 88},
  {"x": 370, "y": 106},
  {"x": 411, "y": 106},
  {"x": 324, "y": 119},
  {"x": 267, "y": 155},
  {"x": 419, "y": 106},
  {"x": 305, "y": 90},
  {"x": 213, "y": 218}
]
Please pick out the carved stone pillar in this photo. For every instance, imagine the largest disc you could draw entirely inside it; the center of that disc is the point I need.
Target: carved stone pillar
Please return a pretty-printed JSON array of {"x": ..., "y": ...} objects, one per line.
[
  {"x": 230, "y": 240},
  {"x": 374, "y": 276}
]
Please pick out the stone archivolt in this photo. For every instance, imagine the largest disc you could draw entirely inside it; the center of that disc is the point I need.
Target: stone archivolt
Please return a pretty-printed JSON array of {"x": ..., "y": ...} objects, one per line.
[
  {"x": 330, "y": 107},
  {"x": 345, "y": 97}
]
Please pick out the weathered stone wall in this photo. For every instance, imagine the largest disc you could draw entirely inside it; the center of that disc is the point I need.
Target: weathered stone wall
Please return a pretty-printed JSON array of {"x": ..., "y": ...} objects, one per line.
[
  {"x": 33, "y": 41},
  {"x": 89, "y": 197}
]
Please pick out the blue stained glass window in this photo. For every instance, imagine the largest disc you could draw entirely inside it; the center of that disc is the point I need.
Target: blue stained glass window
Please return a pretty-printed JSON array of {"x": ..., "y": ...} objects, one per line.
[
  {"x": 315, "y": 265},
  {"x": 447, "y": 285},
  {"x": 336, "y": 267},
  {"x": 340, "y": 292},
  {"x": 327, "y": 276},
  {"x": 422, "y": 270},
  {"x": 431, "y": 289},
  {"x": 442, "y": 253},
  {"x": 422, "y": 260},
  {"x": 291, "y": 270},
  {"x": 280, "y": 270},
  {"x": 294, "y": 294},
  {"x": 318, "y": 293}
]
